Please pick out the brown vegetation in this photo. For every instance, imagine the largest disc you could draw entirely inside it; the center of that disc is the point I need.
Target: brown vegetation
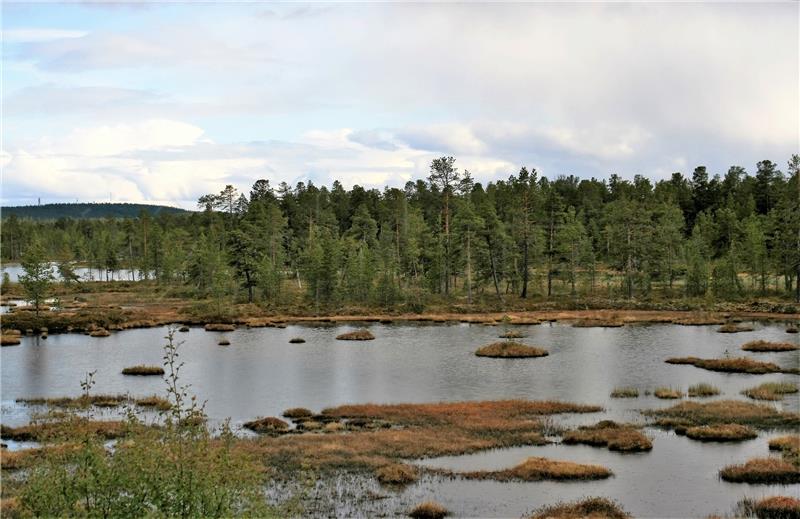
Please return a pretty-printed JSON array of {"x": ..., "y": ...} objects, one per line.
[
  {"x": 397, "y": 474},
  {"x": 100, "y": 332},
  {"x": 297, "y": 412},
  {"x": 358, "y": 335},
  {"x": 792, "y": 329},
  {"x": 74, "y": 428},
  {"x": 702, "y": 390},
  {"x": 538, "y": 469},
  {"x": 735, "y": 328},
  {"x": 598, "y": 323},
  {"x": 724, "y": 412},
  {"x": 297, "y": 340},
  {"x": 219, "y": 327},
  {"x": 721, "y": 433},
  {"x": 269, "y": 424},
  {"x": 789, "y": 443},
  {"x": 142, "y": 370},
  {"x": 668, "y": 393},
  {"x": 100, "y": 400},
  {"x": 733, "y": 365},
  {"x": 224, "y": 342},
  {"x": 625, "y": 392},
  {"x": 775, "y": 507},
  {"x": 511, "y": 334},
  {"x": 429, "y": 510},
  {"x": 762, "y": 470},
  {"x": 764, "y": 346},
  {"x": 617, "y": 437},
  {"x": 590, "y": 508},
  {"x": 770, "y": 390},
  {"x": 9, "y": 340},
  {"x": 510, "y": 350}
]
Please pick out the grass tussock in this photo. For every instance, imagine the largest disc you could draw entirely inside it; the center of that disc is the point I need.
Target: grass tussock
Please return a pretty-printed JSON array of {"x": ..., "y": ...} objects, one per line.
[
  {"x": 297, "y": 412},
  {"x": 792, "y": 329},
  {"x": 397, "y": 474},
  {"x": 735, "y": 328},
  {"x": 358, "y": 335},
  {"x": 9, "y": 340},
  {"x": 296, "y": 340},
  {"x": 625, "y": 392},
  {"x": 771, "y": 471},
  {"x": 770, "y": 391},
  {"x": 510, "y": 350},
  {"x": 99, "y": 400},
  {"x": 183, "y": 329},
  {"x": 668, "y": 393},
  {"x": 143, "y": 370},
  {"x": 787, "y": 444},
  {"x": 219, "y": 327},
  {"x": 702, "y": 390},
  {"x": 267, "y": 425},
  {"x": 538, "y": 469},
  {"x": 100, "y": 332},
  {"x": 732, "y": 365},
  {"x": 224, "y": 342},
  {"x": 614, "y": 436},
  {"x": 512, "y": 334},
  {"x": 64, "y": 429},
  {"x": 774, "y": 507},
  {"x": 723, "y": 412},
  {"x": 698, "y": 320},
  {"x": 598, "y": 323},
  {"x": 590, "y": 508},
  {"x": 721, "y": 433},
  {"x": 429, "y": 510},
  {"x": 766, "y": 346}
]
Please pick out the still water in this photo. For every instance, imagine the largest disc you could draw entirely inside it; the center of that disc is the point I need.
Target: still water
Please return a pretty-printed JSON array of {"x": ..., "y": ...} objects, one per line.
[
  {"x": 14, "y": 271},
  {"x": 261, "y": 374}
]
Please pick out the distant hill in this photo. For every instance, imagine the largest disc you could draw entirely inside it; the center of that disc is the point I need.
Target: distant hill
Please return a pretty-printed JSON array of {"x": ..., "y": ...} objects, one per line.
[{"x": 77, "y": 211}]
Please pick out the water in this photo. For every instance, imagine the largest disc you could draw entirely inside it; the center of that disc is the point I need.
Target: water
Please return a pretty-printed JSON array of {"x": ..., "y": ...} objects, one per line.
[
  {"x": 14, "y": 271},
  {"x": 261, "y": 374}
]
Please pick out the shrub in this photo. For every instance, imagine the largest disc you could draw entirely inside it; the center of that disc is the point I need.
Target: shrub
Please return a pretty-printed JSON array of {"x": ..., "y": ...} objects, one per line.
[{"x": 510, "y": 350}]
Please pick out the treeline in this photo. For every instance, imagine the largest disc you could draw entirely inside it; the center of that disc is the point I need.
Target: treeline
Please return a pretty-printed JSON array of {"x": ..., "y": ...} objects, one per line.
[
  {"x": 706, "y": 236},
  {"x": 86, "y": 210}
]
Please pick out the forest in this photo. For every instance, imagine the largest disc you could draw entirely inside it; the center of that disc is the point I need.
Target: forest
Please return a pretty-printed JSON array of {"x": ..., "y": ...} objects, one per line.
[{"x": 719, "y": 237}]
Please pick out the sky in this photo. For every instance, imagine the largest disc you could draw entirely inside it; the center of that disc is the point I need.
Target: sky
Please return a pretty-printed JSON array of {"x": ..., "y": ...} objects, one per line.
[{"x": 163, "y": 102}]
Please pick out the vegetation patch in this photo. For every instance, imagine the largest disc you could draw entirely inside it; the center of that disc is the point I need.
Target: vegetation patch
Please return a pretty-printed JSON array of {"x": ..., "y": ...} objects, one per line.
[
  {"x": 733, "y": 365},
  {"x": 63, "y": 429},
  {"x": 668, "y": 393},
  {"x": 512, "y": 334},
  {"x": 703, "y": 390},
  {"x": 510, "y": 350},
  {"x": 770, "y": 390},
  {"x": 770, "y": 471},
  {"x": 723, "y": 412},
  {"x": 143, "y": 370},
  {"x": 773, "y": 507},
  {"x": 297, "y": 412},
  {"x": 617, "y": 437},
  {"x": 219, "y": 327},
  {"x": 792, "y": 329},
  {"x": 85, "y": 401},
  {"x": 183, "y": 329},
  {"x": 698, "y": 320},
  {"x": 9, "y": 340},
  {"x": 224, "y": 342},
  {"x": 358, "y": 335},
  {"x": 786, "y": 444},
  {"x": 538, "y": 469},
  {"x": 590, "y": 508},
  {"x": 721, "y": 433},
  {"x": 267, "y": 425},
  {"x": 297, "y": 340},
  {"x": 625, "y": 392},
  {"x": 397, "y": 474},
  {"x": 735, "y": 328},
  {"x": 598, "y": 323},
  {"x": 429, "y": 510},
  {"x": 766, "y": 346},
  {"x": 100, "y": 332}
]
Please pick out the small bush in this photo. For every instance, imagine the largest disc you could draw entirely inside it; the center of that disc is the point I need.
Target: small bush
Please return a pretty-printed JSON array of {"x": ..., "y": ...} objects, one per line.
[
  {"x": 625, "y": 392},
  {"x": 703, "y": 390},
  {"x": 510, "y": 350},
  {"x": 142, "y": 370},
  {"x": 358, "y": 335},
  {"x": 429, "y": 510}
]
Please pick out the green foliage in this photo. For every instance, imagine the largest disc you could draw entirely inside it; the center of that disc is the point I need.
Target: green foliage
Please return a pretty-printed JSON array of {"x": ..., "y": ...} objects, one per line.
[{"x": 38, "y": 275}]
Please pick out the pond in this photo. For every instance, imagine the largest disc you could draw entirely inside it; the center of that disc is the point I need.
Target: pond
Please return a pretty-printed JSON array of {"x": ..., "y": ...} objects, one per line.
[
  {"x": 14, "y": 271},
  {"x": 262, "y": 374}
]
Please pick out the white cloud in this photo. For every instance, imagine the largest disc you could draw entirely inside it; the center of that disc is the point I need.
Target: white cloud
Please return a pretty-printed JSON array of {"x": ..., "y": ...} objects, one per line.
[{"x": 28, "y": 35}]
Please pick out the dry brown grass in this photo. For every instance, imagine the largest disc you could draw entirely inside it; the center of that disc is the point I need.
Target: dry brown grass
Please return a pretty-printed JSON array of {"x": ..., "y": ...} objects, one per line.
[
  {"x": 724, "y": 412},
  {"x": 219, "y": 327},
  {"x": 224, "y": 342},
  {"x": 761, "y": 345},
  {"x": 15, "y": 460},
  {"x": 789, "y": 443},
  {"x": 297, "y": 412},
  {"x": 9, "y": 340},
  {"x": 143, "y": 370},
  {"x": 772, "y": 471},
  {"x": 735, "y": 328},
  {"x": 625, "y": 392},
  {"x": 429, "y": 510},
  {"x": 703, "y": 390},
  {"x": 538, "y": 469},
  {"x": 777, "y": 507},
  {"x": 598, "y": 323},
  {"x": 358, "y": 335},
  {"x": 511, "y": 334},
  {"x": 100, "y": 400},
  {"x": 590, "y": 508},
  {"x": 770, "y": 391},
  {"x": 65, "y": 429},
  {"x": 732, "y": 365},
  {"x": 617, "y": 437},
  {"x": 510, "y": 350},
  {"x": 100, "y": 332},
  {"x": 397, "y": 474},
  {"x": 698, "y": 320},
  {"x": 721, "y": 433},
  {"x": 267, "y": 425},
  {"x": 668, "y": 393}
]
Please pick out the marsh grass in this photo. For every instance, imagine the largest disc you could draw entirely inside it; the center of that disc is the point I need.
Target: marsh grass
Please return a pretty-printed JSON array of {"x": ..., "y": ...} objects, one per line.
[
  {"x": 625, "y": 392},
  {"x": 297, "y": 412},
  {"x": 735, "y": 328},
  {"x": 510, "y": 350},
  {"x": 723, "y": 412},
  {"x": 296, "y": 340},
  {"x": 538, "y": 469},
  {"x": 768, "y": 346},
  {"x": 100, "y": 332},
  {"x": 770, "y": 391},
  {"x": 614, "y": 436},
  {"x": 668, "y": 393},
  {"x": 512, "y": 334},
  {"x": 772, "y": 471},
  {"x": 224, "y": 342},
  {"x": 733, "y": 365},
  {"x": 397, "y": 474},
  {"x": 429, "y": 510},
  {"x": 703, "y": 390},
  {"x": 357, "y": 335},
  {"x": 9, "y": 340},
  {"x": 589, "y": 508},
  {"x": 101, "y": 400},
  {"x": 267, "y": 425},
  {"x": 143, "y": 370},
  {"x": 219, "y": 327},
  {"x": 598, "y": 323},
  {"x": 789, "y": 443},
  {"x": 721, "y": 433},
  {"x": 772, "y": 507}
]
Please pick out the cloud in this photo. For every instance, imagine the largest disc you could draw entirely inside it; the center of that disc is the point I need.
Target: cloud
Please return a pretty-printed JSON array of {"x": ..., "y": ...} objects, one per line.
[{"x": 34, "y": 34}]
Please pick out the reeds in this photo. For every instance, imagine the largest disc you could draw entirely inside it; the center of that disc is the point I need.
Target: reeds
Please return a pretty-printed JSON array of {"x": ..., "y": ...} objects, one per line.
[
  {"x": 702, "y": 390},
  {"x": 771, "y": 471},
  {"x": 625, "y": 392},
  {"x": 771, "y": 391},
  {"x": 767, "y": 346},
  {"x": 668, "y": 393},
  {"x": 297, "y": 412},
  {"x": 397, "y": 474}
]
